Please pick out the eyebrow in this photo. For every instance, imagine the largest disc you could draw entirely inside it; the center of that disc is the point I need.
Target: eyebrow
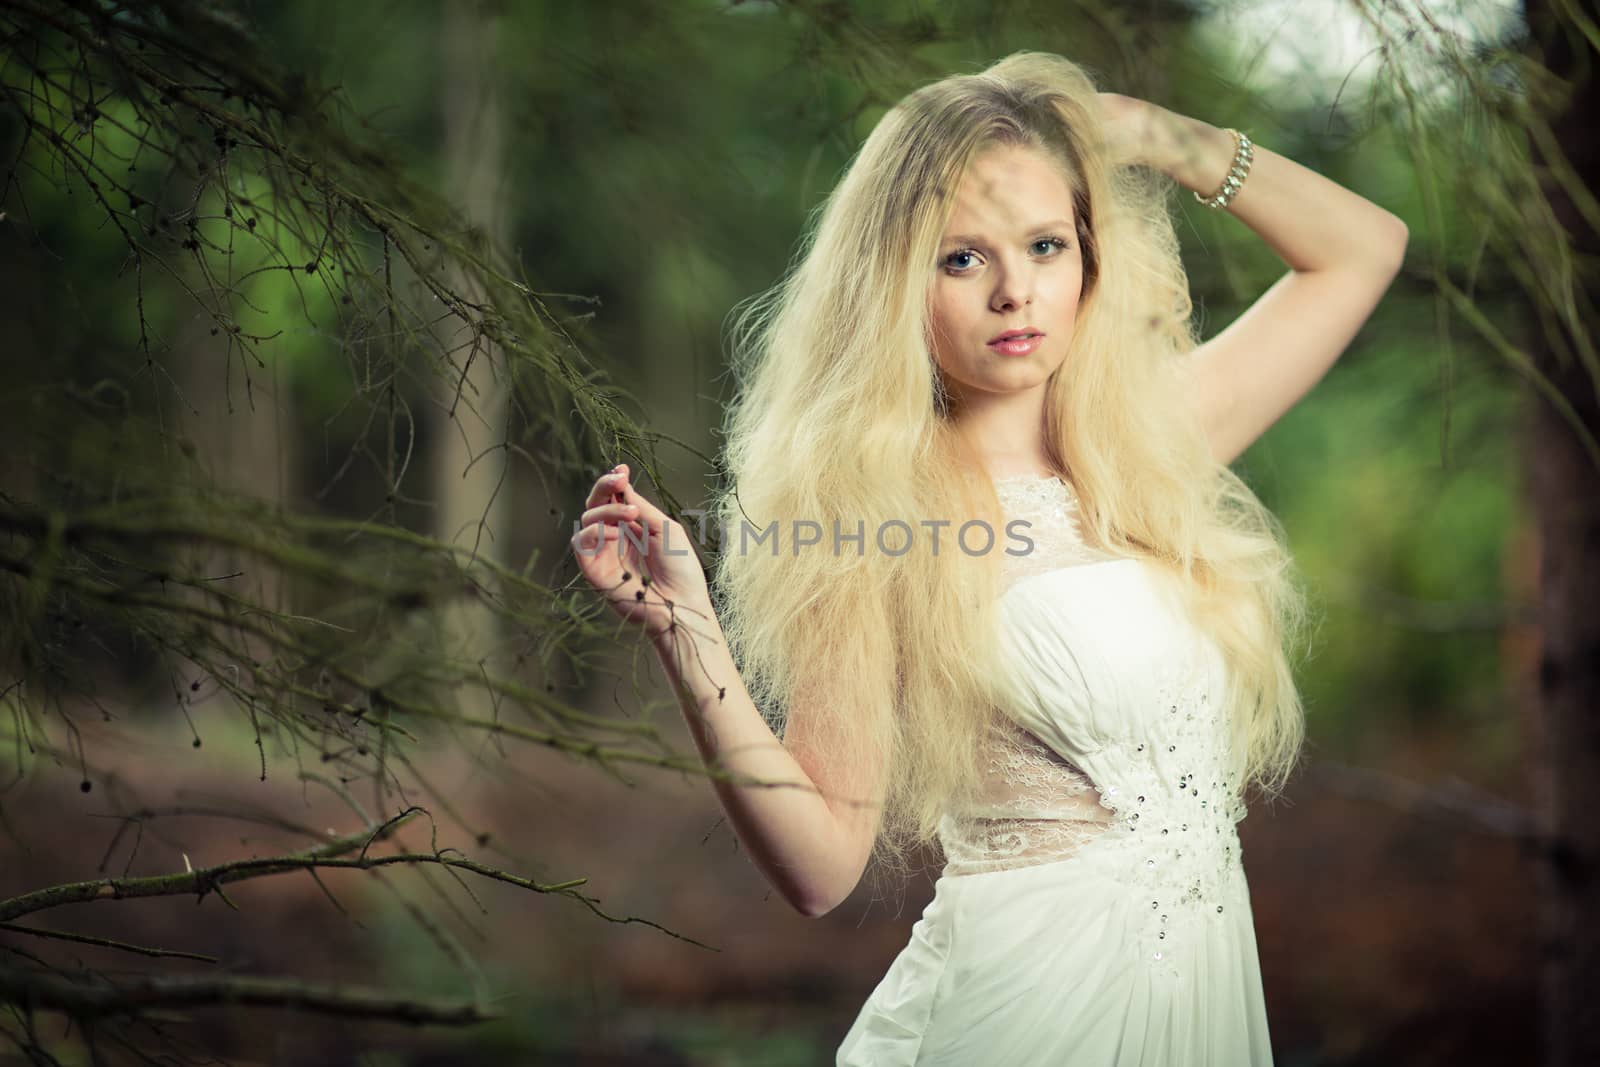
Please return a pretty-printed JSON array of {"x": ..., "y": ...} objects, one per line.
[{"x": 968, "y": 239}]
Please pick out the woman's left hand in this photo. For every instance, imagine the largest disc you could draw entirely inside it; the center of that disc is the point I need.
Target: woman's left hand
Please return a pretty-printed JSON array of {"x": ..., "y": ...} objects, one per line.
[{"x": 1127, "y": 122}]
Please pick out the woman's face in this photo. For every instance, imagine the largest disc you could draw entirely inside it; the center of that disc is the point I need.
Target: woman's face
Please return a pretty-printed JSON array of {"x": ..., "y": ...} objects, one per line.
[{"x": 1009, "y": 261}]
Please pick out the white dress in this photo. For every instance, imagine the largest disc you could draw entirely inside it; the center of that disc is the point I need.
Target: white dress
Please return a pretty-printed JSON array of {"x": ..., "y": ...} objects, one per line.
[{"x": 1094, "y": 911}]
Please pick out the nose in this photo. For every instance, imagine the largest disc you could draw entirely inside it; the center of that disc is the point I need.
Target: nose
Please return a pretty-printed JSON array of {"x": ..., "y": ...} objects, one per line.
[{"x": 1013, "y": 289}]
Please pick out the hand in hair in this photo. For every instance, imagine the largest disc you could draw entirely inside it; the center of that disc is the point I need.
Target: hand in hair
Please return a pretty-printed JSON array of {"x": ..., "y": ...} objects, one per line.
[
  {"x": 639, "y": 556},
  {"x": 1141, "y": 134},
  {"x": 1126, "y": 124}
]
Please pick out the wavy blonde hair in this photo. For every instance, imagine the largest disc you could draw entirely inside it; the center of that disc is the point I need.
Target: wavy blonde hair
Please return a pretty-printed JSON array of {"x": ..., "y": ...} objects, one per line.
[{"x": 840, "y": 416}]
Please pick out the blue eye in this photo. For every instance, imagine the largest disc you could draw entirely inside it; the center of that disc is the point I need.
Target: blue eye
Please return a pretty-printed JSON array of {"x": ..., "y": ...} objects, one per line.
[{"x": 953, "y": 263}]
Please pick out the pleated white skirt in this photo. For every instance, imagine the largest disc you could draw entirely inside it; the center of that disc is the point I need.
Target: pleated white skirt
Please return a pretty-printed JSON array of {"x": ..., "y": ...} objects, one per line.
[{"x": 1060, "y": 964}]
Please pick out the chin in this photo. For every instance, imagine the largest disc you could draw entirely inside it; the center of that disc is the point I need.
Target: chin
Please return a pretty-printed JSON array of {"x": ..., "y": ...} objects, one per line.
[{"x": 1016, "y": 381}]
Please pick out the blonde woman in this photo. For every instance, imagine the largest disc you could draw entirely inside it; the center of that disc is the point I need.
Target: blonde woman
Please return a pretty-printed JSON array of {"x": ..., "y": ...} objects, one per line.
[{"x": 990, "y": 330}]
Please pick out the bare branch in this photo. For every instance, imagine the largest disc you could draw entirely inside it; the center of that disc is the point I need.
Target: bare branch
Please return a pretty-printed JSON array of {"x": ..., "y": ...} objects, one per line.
[
  {"x": 101, "y": 942},
  {"x": 1452, "y": 799},
  {"x": 100, "y": 997}
]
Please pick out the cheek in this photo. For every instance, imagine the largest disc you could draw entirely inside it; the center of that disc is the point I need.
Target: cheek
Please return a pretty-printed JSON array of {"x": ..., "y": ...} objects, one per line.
[{"x": 1064, "y": 288}]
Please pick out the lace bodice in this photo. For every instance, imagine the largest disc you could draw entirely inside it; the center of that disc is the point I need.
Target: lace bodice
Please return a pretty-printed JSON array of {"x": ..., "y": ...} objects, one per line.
[
  {"x": 1054, "y": 526},
  {"x": 1037, "y": 807},
  {"x": 1113, "y": 741}
]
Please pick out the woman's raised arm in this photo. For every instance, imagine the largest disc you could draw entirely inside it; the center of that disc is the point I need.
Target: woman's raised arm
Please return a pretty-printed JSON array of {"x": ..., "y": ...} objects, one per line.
[{"x": 1341, "y": 249}]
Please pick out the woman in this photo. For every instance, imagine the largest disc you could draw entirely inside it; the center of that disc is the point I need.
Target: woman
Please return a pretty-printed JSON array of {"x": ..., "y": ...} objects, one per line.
[{"x": 990, "y": 329}]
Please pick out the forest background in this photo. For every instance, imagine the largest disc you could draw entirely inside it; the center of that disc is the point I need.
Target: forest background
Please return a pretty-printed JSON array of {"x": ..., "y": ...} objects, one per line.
[{"x": 320, "y": 320}]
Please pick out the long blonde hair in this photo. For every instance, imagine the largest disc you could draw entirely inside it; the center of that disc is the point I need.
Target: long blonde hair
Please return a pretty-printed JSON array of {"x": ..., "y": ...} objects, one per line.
[{"x": 840, "y": 417}]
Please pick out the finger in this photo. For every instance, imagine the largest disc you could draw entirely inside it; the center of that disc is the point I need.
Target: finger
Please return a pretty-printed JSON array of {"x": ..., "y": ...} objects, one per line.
[
  {"x": 590, "y": 541},
  {"x": 648, "y": 514},
  {"x": 605, "y": 487},
  {"x": 611, "y": 519},
  {"x": 609, "y": 513},
  {"x": 627, "y": 535}
]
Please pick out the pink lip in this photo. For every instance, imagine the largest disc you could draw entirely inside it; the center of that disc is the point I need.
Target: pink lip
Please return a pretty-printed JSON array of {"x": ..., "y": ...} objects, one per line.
[{"x": 1017, "y": 342}]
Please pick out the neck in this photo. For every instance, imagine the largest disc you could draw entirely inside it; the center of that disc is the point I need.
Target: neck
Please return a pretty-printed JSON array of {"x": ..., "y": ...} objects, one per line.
[{"x": 1005, "y": 431}]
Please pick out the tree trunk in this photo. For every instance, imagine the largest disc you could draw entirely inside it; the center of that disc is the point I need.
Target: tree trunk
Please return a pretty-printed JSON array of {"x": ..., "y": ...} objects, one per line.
[
  {"x": 470, "y": 476},
  {"x": 1565, "y": 485}
]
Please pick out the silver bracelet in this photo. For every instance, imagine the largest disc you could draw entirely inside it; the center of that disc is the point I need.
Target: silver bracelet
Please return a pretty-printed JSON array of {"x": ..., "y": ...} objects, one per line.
[{"x": 1243, "y": 153}]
